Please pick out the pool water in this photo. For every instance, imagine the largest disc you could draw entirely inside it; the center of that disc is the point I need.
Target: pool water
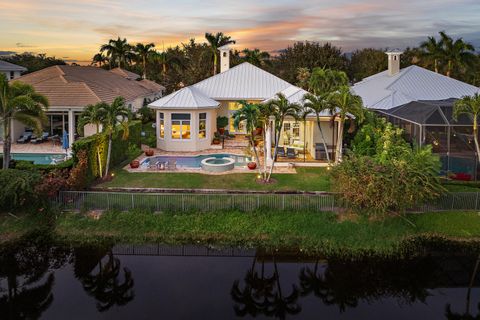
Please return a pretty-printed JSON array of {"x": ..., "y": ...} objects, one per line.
[
  {"x": 38, "y": 158},
  {"x": 195, "y": 161}
]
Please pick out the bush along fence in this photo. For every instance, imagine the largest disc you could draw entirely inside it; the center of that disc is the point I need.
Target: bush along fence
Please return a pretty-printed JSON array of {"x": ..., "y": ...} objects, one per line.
[
  {"x": 246, "y": 202},
  {"x": 97, "y": 146}
]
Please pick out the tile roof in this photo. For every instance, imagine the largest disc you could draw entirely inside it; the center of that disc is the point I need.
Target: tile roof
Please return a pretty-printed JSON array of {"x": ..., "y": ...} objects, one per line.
[
  {"x": 7, "y": 66},
  {"x": 413, "y": 83},
  {"x": 126, "y": 74},
  {"x": 77, "y": 86},
  {"x": 244, "y": 81},
  {"x": 188, "y": 98}
]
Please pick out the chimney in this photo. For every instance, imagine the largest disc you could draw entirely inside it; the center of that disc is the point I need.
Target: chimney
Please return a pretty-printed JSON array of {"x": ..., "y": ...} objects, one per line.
[
  {"x": 393, "y": 61},
  {"x": 224, "y": 58}
]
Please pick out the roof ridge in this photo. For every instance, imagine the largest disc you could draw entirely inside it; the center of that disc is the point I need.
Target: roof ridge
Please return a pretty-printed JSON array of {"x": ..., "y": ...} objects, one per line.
[
  {"x": 93, "y": 92},
  {"x": 401, "y": 75},
  {"x": 192, "y": 93}
]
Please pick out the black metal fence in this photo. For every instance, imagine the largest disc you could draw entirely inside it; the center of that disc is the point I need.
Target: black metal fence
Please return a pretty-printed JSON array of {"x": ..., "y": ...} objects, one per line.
[{"x": 204, "y": 202}]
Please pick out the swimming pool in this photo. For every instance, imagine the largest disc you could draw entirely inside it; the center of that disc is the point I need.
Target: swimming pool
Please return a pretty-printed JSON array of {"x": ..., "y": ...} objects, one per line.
[
  {"x": 39, "y": 158},
  {"x": 195, "y": 161}
]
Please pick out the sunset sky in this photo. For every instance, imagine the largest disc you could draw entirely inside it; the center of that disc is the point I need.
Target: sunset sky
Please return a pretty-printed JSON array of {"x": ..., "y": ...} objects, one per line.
[{"x": 74, "y": 30}]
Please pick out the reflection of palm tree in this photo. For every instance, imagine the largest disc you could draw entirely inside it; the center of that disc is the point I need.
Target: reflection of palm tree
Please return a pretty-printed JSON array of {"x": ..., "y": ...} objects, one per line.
[
  {"x": 466, "y": 316},
  {"x": 24, "y": 267},
  {"x": 105, "y": 285},
  {"x": 282, "y": 305},
  {"x": 252, "y": 299}
]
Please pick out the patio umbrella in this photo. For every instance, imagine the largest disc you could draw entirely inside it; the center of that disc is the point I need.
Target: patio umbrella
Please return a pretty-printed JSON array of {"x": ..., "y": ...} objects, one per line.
[{"x": 65, "y": 144}]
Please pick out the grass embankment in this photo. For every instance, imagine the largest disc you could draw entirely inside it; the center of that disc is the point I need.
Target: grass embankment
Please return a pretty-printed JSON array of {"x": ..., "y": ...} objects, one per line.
[
  {"x": 13, "y": 227},
  {"x": 306, "y": 231},
  {"x": 306, "y": 179}
]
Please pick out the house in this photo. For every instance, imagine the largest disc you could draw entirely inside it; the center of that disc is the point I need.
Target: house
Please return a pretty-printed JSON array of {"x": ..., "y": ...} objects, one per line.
[
  {"x": 70, "y": 88},
  {"x": 421, "y": 102},
  {"x": 186, "y": 119},
  {"x": 10, "y": 70}
]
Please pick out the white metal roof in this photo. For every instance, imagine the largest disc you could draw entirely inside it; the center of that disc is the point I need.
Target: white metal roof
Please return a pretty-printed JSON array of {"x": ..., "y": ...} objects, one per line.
[
  {"x": 185, "y": 98},
  {"x": 7, "y": 66},
  {"x": 244, "y": 81},
  {"x": 382, "y": 91}
]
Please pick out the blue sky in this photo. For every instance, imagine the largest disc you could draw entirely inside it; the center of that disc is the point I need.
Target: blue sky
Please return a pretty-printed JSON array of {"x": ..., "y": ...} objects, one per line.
[{"x": 74, "y": 30}]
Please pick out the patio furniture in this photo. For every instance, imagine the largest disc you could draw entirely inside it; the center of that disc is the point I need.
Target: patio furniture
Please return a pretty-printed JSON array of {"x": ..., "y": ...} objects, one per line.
[
  {"x": 291, "y": 154},
  {"x": 160, "y": 165},
  {"x": 172, "y": 164},
  {"x": 40, "y": 139},
  {"x": 281, "y": 152},
  {"x": 25, "y": 137}
]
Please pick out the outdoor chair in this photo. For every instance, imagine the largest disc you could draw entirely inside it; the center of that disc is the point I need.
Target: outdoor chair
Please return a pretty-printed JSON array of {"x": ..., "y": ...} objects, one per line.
[
  {"x": 25, "y": 137},
  {"x": 281, "y": 152},
  {"x": 160, "y": 165},
  {"x": 291, "y": 153},
  {"x": 172, "y": 164}
]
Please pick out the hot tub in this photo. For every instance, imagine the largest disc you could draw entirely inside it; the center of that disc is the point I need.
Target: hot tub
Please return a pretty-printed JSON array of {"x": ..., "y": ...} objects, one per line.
[{"x": 213, "y": 164}]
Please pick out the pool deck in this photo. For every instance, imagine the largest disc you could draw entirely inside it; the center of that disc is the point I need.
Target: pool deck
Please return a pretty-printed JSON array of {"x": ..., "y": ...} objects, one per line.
[
  {"x": 46, "y": 147},
  {"x": 279, "y": 167}
]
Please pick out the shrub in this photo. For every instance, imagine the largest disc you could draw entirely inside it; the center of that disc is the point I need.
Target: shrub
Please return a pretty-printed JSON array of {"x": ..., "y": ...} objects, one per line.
[
  {"x": 51, "y": 183},
  {"x": 96, "y": 147},
  {"x": 18, "y": 189},
  {"x": 385, "y": 173},
  {"x": 222, "y": 122},
  {"x": 29, "y": 165},
  {"x": 77, "y": 178},
  {"x": 145, "y": 114}
]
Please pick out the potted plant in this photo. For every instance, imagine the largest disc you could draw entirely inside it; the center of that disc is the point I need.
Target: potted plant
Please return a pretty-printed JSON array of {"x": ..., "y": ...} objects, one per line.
[
  {"x": 149, "y": 152},
  {"x": 222, "y": 122},
  {"x": 134, "y": 164},
  {"x": 252, "y": 165}
]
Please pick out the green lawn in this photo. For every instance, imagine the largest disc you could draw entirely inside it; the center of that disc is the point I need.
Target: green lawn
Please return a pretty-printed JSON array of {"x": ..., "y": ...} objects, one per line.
[
  {"x": 306, "y": 179},
  {"x": 458, "y": 186},
  {"x": 307, "y": 231}
]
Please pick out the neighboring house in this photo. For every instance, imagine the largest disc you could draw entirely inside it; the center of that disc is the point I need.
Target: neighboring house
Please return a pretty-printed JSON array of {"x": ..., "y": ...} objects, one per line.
[
  {"x": 11, "y": 71},
  {"x": 186, "y": 119},
  {"x": 421, "y": 102},
  {"x": 70, "y": 88}
]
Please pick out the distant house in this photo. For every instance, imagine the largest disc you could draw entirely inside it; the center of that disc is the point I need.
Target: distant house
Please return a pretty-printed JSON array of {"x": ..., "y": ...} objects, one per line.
[
  {"x": 10, "y": 70},
  {"x": 186, "y": 119},
  {"x": 70, "y": 88},
  {"x": 421, "y": 102}
]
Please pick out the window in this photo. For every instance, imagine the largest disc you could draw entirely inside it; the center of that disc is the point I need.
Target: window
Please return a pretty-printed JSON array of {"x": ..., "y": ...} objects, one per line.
[
  {"x": 162, "y": 125},
  {"x": 224, "y": 54},
  {"x": 180, "y": 126},
  {"x": 202, "y": 125},
  {"x": 12, "y": 75}
]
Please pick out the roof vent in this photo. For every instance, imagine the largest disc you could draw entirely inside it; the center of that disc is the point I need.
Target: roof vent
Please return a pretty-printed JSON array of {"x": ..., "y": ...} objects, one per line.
[{"x": 393, "y": 61}]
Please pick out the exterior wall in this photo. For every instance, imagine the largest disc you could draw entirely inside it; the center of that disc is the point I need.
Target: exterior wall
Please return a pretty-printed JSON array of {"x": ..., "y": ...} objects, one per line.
[
  {"x": 16, "y": 74},
  {"x": 138, "y": 103},
  {"x": 192, "y": 144},
  {"x": 224, "y": 111},
  {"x": 17, "y": 129},
  {"x": 329, "y": 133}
]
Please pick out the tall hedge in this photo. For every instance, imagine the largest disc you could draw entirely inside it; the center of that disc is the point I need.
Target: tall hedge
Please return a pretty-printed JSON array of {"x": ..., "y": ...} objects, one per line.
[{"x": 96, "y": 147}]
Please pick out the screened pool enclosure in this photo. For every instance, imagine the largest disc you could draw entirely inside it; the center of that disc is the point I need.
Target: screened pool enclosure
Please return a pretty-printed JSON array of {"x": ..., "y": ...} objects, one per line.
[{"x": 431, "y": 122}]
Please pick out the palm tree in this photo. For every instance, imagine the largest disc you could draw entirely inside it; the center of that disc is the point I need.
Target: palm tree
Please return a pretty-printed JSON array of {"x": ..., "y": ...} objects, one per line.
[
  {"x": 469, "y": 105},
  {"x": 119, "y": 51},
  {"x": 92, "y": 114},
  {"x": 318, "y": 104},
  {"x": 282, "y": 109},
  {"x": 345, "y": 104},
  {"x": 248, "y": 113},
  {"x": 143, "y": 51},
  {"x": 303, "y": 76},
  {"x": 113, "y": 115},
  {"x": 215, "y": 41},
  {"x": 20, "y": 102},
  {"x": 165, "y": 59},
  {"x": 99, "y": 59},
  {"x": 432, "y": 51},
  {"x": 265, "y": 112},
  {"x": 256, "y": 57},
  {"x": 323, "y": 81},
  {"x": 456, "y": 52}
]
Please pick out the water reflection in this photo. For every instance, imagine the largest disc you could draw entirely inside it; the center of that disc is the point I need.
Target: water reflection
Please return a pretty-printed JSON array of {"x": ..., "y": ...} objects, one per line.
[
  {"x": 26, "y": 279},
  {"x": 102, "y": 277},
  {"x": 40, "y": 280}
]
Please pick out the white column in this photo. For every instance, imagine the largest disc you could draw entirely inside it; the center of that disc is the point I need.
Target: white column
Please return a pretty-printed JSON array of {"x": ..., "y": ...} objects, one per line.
[
  {"x": 268, "y": 142},
  {"x": 71, "y": 128}
]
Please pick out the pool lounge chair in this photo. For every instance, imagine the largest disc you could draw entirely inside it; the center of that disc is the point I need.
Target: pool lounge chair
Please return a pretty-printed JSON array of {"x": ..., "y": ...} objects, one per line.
[
  {"x": 281, "y": 152},
  {"x": 40, "y": 139},
  {"x": 25, "y": 137},
  {"x": 291, "y": 153}
]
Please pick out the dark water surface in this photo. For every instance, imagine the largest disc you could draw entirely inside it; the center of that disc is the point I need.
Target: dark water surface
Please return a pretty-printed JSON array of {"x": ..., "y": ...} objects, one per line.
[{"x": 157, "y": 282}]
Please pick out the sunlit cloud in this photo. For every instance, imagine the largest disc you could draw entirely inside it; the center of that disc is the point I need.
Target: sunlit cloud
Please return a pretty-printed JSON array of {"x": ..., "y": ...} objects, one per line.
[{"x": 76, "y": 29}]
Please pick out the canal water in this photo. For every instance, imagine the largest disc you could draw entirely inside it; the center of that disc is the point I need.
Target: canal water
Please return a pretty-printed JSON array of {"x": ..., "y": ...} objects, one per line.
[{"x": 41, "y": 281}]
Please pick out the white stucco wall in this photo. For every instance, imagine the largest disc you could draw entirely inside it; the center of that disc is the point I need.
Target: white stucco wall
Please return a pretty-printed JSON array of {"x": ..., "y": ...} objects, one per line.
[
  {"x": 16, "y": 74},
  {"x": 192, "y": 144}
]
